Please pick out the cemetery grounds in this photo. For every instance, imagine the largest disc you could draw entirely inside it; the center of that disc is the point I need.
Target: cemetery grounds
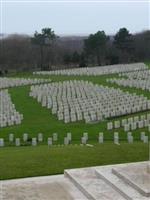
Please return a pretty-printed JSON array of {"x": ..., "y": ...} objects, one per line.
[{"x": 28, "y": 161}]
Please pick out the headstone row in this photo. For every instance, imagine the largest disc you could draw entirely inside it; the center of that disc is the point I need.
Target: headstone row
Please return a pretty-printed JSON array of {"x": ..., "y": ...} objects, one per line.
[
  {"x": 109, "y": 69},
  {"x": 68, "y": 138},
  {"x": 74, "y": 101},
  {"x": 138, "y": 74},
  {"x": 14, "y": 82},
  {"x": 8, "y": 114},
  {"x": 138, "y": 79},
  {"x": 131, "y": 123}
]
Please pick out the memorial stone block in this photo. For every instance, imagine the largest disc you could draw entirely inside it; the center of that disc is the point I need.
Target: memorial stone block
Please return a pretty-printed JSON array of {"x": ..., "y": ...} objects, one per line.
[
  {"x": 11, "y": 137},
  {"x": 17, "y": 142},
  {"x": 2, "y": 142},
  {"x": 55, "y": 137},
  {"x": 25, "y": 137},
  {"x": 49, "y": 141},
  {"x": 34, "y": 141}
]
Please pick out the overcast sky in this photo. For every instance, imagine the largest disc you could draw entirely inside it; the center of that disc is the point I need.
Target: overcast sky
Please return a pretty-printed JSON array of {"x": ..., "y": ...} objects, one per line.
[{"x": 74, "y": 18}]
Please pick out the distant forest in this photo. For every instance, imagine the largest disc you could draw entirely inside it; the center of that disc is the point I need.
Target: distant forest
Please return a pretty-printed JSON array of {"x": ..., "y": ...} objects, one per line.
[{"x": 47, "y": 51}]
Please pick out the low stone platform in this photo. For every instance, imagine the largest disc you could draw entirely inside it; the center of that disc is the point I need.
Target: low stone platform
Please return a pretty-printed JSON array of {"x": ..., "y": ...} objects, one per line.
[
  {"x": 135, "y": 175},
  {"x": 112, "y": 182},
  {"x": 40, "y": 188}
]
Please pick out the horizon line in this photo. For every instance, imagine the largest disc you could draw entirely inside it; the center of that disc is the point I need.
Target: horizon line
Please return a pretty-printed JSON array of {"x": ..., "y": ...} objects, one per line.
[{"x": 73, "y": 34}]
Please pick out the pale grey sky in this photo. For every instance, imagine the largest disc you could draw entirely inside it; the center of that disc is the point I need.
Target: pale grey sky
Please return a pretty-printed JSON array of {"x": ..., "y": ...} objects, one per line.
[{"x": 74, "y": 18}]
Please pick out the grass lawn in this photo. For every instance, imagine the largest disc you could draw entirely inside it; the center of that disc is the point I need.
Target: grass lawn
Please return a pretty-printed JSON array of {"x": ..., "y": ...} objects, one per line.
[
  {"x": 38, "y": 119},
  {"x": 41, "y": 160},
  {"x": 28, "y": 161}
]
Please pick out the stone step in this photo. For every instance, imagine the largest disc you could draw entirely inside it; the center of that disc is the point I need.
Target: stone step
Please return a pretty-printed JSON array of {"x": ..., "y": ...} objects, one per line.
[
  {"x": 92, "y": 186},
  {"x": 127, "y": 191},
  {"x": 136, "y": 176}
]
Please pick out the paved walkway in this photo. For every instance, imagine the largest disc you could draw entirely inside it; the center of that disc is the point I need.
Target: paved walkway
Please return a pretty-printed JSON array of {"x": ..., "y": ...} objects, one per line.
[{"x": 40, "y": 188}]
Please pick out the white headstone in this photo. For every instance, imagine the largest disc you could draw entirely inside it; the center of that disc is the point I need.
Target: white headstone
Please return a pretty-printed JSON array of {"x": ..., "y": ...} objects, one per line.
[
  {"x": 145, "y": 139},
  {"x": 101, "y": 134},
  {"x": 55, "y": 136},
  {"x": 49, "y": 141},
  {"x": 146, "y": 122},
  {"x": 83, "y": 140},
  {"x": 133, "y": 125},
  {"x": 17, "y": 142},
  {"x": 116, "y": 134},
  {"x": 2, "y": 142},
  {"x": 11, "y": 137},
  {"x": 142, "y": 135},
  {"x": 25, "y": 137},
  {"x": 101, "y": 138},
  {"x": 34, "y": 141},
  {"x": 123, "y": 122},
  {"x": 117, "y": 124},
  {"x": 126, "y": 127},
  {"x": 116, "y": 138},
  {"x": 140, "y": 124},
  {"x": 109, "y": 126},
  {"x": 129, "y": 134},
  {"x": 136, "y": 118},
  {"x": 40, "y": 137},
  {"x": 143, "y": 117},
  {"x": 85, "y": 135},
  {"x": 130, "y": 139},
  {"x": 66, "y": 141},
  {"x": 69, "y": 136},
  {"x": 130, "y": 120}
]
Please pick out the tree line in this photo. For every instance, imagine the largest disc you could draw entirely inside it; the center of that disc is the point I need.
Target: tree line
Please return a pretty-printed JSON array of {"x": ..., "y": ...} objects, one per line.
[{"x": 47, "y": 51}]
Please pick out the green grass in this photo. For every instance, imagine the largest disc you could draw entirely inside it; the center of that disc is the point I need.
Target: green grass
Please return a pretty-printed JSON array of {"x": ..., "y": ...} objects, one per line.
[
  {"x": 38, "y": 119},
  {"x": 28, "y": 161},
  {"x": 41, "y": 160}
]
